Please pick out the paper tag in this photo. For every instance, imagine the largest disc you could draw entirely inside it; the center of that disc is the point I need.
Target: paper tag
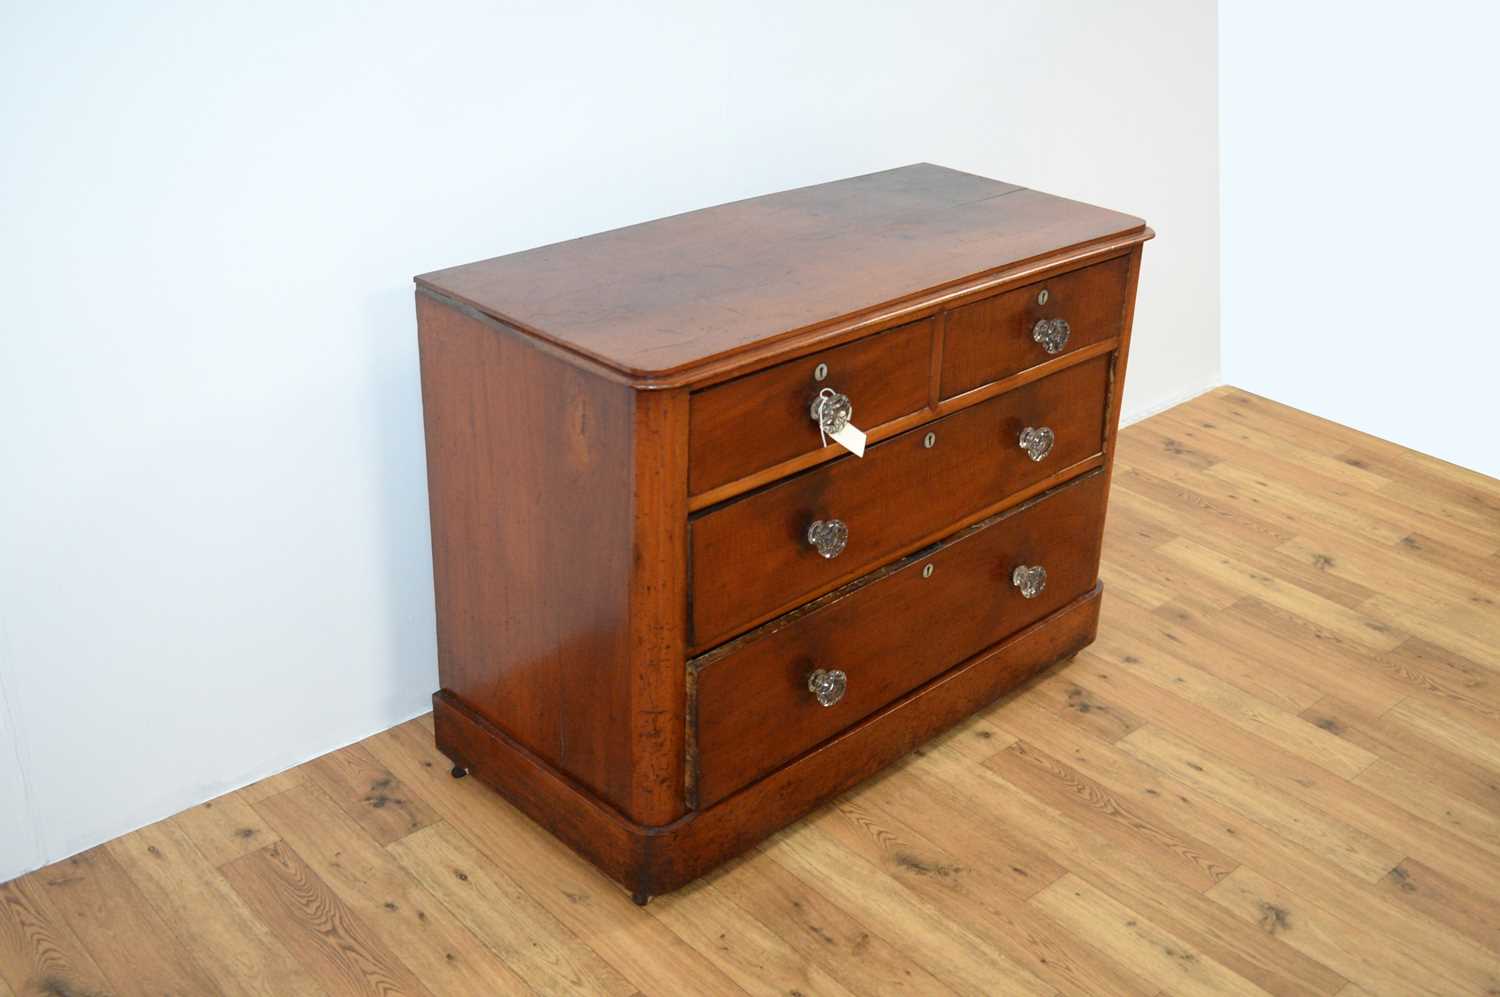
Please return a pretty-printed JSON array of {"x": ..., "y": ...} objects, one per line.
[{"x": 850, "y": 438}]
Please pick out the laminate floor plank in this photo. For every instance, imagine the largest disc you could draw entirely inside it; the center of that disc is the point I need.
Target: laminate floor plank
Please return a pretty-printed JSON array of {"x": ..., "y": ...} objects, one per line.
[
  {"x": 1454, "y": 729},
  {"x": 201, "y": 908},
  {"x": 1078, "y": 704},
  {"x": 752, "y": 955},
  {"x": 409, "y": 921},
  {"x": 118, "y": 926},
  {"x": 39, "y": 954},
  {"x": 1242, "y": 443},
  {"x": 1288, "y": 730},
  {"x": 1468, "y": 508},
  {"x": 270, "y": 786},
  {"x": 226, "y": 828},
  {"x": 930, "y": 914},
  {"x": 645, "y": 951},
  {"x": 824, "y": 932},
  {"x": 1391, "y": 460},
  {"x": 1371, "y": 945},
  {"x": 1138, "y": 943},
  {"x": 1425, "y": 587},
  {"x": 1423, "y": 793},
  {"x": 1202, "y": 506},
  {"x": 979, "y": 899},
  {"x": 1471, "y": 631},
  {"x": 1451, "y": 902},
  {"x": 1348, "y": 510},
  {"x": 1276, "y": 771},
  {"x": 1185, "y": 630},
  {"x": 1170, "y": 577},
  {"x": 328, "y": 939},
  {"x": 1167, "y": 850},
  {"x": 1451, "y": 778},
  {"x": 1368, "y": 824},
  {"x": 1351, "y": 848},
  {"x": 1126, "y": 874},
  {"x": 534, "y": 944},
  {"x": 367, "y": 792},
  {"x": 1248, "y": 841},
  {"x": 1445, "y": 673},
  {"x": 982, "y": 889},
  {"x": 1252, "y": 582},
  {"x": 1336, "y": 666}
]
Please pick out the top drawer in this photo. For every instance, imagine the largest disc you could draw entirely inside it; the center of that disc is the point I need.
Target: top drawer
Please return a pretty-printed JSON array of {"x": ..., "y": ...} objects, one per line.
[
  {"x": 762, "y": 419},
  {"x": 994, "y": 338}
]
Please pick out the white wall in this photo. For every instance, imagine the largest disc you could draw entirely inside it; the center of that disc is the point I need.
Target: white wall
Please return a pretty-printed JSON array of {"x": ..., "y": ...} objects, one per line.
[
  {"x": 213, "y": 535},
  {"x": 1359, "y": 158}
]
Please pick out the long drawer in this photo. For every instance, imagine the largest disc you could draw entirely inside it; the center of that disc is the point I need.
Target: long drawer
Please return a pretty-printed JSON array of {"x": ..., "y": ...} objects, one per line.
[
  {"x": 887, "y": 634},
  {"x": 762, "y": 553}
]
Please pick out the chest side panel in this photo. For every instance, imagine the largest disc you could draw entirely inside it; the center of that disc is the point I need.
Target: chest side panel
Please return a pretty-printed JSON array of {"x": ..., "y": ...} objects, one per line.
[{"x": 536, "y": 490}]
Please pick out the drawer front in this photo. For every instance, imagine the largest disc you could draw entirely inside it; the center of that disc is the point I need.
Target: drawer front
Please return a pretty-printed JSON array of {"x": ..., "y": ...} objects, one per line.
[
  {"x": 752, "y": 557},
  {"x": 994, "y": 338},
  {"x": 762, "y": 419},
  {"x": 888, "y": 635}
]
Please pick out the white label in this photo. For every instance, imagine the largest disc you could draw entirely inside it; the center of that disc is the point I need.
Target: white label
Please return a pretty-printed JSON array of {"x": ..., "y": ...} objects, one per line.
[{"x": 851, "y": 439}]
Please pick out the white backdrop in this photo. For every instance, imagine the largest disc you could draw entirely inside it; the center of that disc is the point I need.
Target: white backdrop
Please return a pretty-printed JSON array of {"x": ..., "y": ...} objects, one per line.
[
  {"x": 214, "y": 553},
  {"x": 1360, "y": 155}
]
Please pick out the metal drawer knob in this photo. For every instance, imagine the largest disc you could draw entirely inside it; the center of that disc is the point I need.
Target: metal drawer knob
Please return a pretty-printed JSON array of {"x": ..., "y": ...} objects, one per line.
[
  {"x": 828, "y": 684},
  {"x": 831, "y": 411},
  {"x": 1030, "y": 580},
  {"x": 1037, "y": 442},
  {"x": 829, "y": 536},
  {"x": 1052, "y": 333}
]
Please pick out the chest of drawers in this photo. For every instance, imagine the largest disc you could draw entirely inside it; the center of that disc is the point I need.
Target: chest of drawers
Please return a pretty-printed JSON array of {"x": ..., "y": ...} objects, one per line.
[{"x": 672, "y": 616}]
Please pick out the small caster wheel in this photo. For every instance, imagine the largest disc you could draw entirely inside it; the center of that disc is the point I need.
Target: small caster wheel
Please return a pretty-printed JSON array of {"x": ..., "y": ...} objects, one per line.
[
  {"x": 640, "y": 899},
  {"x": 459, "y": 772}
]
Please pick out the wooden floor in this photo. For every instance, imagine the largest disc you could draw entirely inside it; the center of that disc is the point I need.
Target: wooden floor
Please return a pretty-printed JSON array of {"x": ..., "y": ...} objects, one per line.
[{"x": 1277, "y": 771}]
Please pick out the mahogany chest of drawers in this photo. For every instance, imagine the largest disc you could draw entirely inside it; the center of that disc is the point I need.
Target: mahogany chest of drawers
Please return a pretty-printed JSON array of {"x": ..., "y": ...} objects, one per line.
[{"x": 673, "y": 614}]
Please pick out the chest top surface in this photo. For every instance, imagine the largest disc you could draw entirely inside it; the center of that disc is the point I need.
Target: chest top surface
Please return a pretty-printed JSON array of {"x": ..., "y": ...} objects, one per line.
[{"x": 664, "y": 296}]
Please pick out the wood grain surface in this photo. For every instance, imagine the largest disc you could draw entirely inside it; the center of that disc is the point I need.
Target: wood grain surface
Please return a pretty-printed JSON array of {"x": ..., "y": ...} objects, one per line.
[
  {"x": 992, "y": 339},
  {"x": 889, "y": 633},
  {"x": 751, "y": 559},
  {"x": 763, "y": 419},
  {"x": 666, "y": 295},
  {"x": 1274, "y": 772},
  {"x": 558, "y": 556}
]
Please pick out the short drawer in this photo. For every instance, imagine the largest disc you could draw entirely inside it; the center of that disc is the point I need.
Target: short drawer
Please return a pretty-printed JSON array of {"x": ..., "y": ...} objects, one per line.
[
  {"x": 762, "y": 419},
  {"x": 753, "y": 557},
  {"x": 996, "y": 337},
  {"x": 887, "y": 635}
]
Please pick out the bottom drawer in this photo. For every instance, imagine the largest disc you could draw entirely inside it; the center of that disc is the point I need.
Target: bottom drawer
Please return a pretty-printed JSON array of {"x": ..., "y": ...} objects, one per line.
[{"x": 884, "y": 635}]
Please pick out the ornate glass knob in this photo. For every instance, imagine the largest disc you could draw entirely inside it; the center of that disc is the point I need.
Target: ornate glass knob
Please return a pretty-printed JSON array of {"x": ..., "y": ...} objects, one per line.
[
  {"x": 1052, "y": 333},
  {"x": 831, "y": 411},
  {"x": 829, "y": 536},
  {"x": 1037, "y": 442},
  {"x": 1030, "y": 580},
  {"x": 828, "y": 684}
]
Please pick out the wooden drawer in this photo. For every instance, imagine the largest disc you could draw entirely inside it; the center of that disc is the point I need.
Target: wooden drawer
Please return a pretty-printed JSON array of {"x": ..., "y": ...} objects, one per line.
[
  {"x": 751, "y": 557},
  {"x": 762, "y": 419},
  {"x": 993, "y": 338},
  {"x": 889, "y": 633}
]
